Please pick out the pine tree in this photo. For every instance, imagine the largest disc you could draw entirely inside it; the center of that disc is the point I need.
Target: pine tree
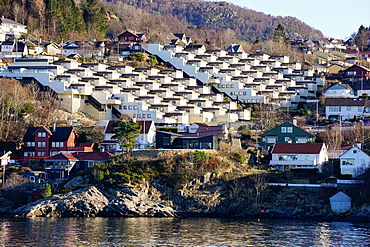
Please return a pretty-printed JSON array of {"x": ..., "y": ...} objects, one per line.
[
  {"x": 47, "y": 191},
  {"x": 126, "y": 133},
  {"x": 280, "y": 35}
]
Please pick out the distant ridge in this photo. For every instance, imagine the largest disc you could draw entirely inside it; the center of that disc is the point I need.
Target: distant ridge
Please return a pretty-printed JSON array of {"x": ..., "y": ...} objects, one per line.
[{"x": 247, "y": 24}]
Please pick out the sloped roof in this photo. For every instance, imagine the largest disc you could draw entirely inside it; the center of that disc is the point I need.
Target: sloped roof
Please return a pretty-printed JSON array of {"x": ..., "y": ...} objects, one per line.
[
  {"x": 287, "y": 124},
  {"x": 340, "y": 196},
  {"x": 297, "y": 148},
  {"x": 346, "y": 102},
  {"x": 62, "y": 156},
  {"x": 345, "y": 86},
  {"x": 81, "y": 156},
  {"x": 60, "y": 134},
  {"x": 8, "y": 21}
]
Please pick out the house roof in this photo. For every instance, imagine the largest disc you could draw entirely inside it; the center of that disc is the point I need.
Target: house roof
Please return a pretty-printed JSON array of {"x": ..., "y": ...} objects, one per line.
[
  {"x": 60, "y": 133},
  {"x": 340, "y": 196},
  {"x": 297, "y": 148},
  {"x": 8, "y": 21},
  {"x": 287, "y": 124},
  {"x": 345, "y": 86},
  {"x": 346, "y": 102},
  {"x": 81, "y": 156},
  {"x": 62, "y": 156}
]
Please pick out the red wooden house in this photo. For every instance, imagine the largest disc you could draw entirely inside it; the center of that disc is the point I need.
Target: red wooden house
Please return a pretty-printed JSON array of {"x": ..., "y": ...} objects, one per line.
[
  {"x": 357, "y": 73},
  {"x": 129, "y": 36},
  {"x": 42, "y": 142}
]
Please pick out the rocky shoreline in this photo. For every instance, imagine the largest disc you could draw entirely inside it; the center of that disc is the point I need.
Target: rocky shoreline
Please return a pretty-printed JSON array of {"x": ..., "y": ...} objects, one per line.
[{"x": 157, "y": 200}]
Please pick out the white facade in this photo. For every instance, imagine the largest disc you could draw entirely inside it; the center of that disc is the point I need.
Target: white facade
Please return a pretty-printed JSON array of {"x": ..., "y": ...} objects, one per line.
[
  {"x": 339, "y": 90},
  {"x": 290, "y": 159},
  {"x": 354, "y": 162}
]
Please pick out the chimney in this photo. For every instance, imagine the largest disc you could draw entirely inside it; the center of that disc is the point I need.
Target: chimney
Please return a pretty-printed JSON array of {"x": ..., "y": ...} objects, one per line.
[
  {"x": 294, "y": 121},
  {"x": 358, "y": 145}
]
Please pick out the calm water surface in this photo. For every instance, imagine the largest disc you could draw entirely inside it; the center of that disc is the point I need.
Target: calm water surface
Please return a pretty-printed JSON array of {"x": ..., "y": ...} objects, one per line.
[{"x": 179, "y": 232}]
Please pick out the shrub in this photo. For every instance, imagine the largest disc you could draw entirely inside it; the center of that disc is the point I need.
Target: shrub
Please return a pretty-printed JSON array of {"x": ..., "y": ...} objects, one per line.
[
  {"x": 47, "y": 191},
  {"x": 238, "y": 157}
]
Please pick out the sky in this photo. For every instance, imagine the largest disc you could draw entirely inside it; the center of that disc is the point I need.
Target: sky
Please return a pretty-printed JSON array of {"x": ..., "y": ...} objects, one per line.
[{"x": 334, "y": 18}]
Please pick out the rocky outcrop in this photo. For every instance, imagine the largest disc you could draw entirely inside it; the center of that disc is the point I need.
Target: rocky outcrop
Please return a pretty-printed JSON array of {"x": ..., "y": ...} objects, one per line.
[{"x": 91, "y": 201}]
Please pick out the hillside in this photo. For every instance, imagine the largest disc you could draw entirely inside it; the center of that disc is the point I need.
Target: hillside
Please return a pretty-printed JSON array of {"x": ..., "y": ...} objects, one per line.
[
  {"x": 205, "y": 21},
  {"x": 247, "y": 24}
]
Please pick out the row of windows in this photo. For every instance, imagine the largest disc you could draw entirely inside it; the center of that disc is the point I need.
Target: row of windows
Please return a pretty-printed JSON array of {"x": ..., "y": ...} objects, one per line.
[
  {"x": 129, "y": 107},
  {"x": 286, "y": 129},
  {"x": 238, "y": 93},
  {"x": 348, "y": 108},
  {"x": 53, "y": 144},
  {"x": 39, "y": 153},
  {"x": 226, "y": 86},
  {"x": 142, "y": 115}
]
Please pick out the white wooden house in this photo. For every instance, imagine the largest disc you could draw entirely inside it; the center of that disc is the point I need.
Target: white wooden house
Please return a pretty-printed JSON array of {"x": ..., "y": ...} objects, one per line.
[
  {"x": 287, "y": 156},
  {"x": 340, "y": 90},
  {"x": 145, "y": 139},
  {"x": 354, "y": 162}
]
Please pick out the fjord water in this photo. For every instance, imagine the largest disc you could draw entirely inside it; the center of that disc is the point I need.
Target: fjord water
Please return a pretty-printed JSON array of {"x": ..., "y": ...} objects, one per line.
[{"x": 179, "y": 232}]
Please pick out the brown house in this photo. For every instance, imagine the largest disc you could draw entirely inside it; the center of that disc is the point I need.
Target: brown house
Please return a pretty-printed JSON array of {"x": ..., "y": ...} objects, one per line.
[
  {"x": 129, "y": 36},
  {"x": 357, "y": 73}
]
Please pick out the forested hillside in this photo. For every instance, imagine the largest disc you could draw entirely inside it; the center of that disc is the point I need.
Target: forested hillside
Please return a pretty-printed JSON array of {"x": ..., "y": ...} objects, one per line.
[
  {"x": 101, "y": 19},
  {"x": 247, "y": 24}
]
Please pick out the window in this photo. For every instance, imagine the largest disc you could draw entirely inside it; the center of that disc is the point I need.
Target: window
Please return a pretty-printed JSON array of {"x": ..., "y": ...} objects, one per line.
[
  {"x": 41, "y": 153},
  {"x": 135, "y": 107},
  {"x": 287, "y": 139},
  {"x": 301, "y": 139},
  {"x": 288, "y": 157},
  {"x": 283, "y": 129},
  {"x": 57, "y": 144},
  {"x": 334, "y": 108},
  {"x": 30, "y": 144},
  {"x": 348, "y": 108},
  {"x": 347, "y": 162},
  {"x": 130, "y": 107},
  {"x": 289, "y": 130},
  {"x": 355, "y": 151},
  {"x": 149, "y": 115},
  {"x": 351, "y": 72},
  {"x": 134, "y": 115},
  {"x": 360, "y": 109},
  {"x": 26, "y": 154},
  {"x": 271, "y": 139},
  {"x": 166, "y": 140},
  {"x": 125, "y": 107},
  {"x": 41, "y": 134},
  {"x": 41, "y": 144}
]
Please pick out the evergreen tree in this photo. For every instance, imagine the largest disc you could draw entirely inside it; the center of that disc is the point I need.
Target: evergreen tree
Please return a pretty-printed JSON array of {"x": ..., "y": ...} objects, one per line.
[
  {"x": 47, "y": 191},
  {"x": 126, "y": 133},
  {"x": 280, "y": 35}
]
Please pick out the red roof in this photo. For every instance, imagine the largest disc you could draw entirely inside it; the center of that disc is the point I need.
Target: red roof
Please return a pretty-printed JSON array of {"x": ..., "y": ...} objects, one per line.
[
  {"x": 81, "y": 156},
  {"x": 297, "y": 148},
  {"x": 62, "y": 156}
]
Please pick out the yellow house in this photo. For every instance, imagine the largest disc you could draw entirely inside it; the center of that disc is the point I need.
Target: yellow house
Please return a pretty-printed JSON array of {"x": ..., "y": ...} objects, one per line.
[
  {"x": 335, "y": 68},
  {"x": 51, "y": 49},
  {"x": 34, "y": 47},
  {"x": 42, "y": 48}
]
